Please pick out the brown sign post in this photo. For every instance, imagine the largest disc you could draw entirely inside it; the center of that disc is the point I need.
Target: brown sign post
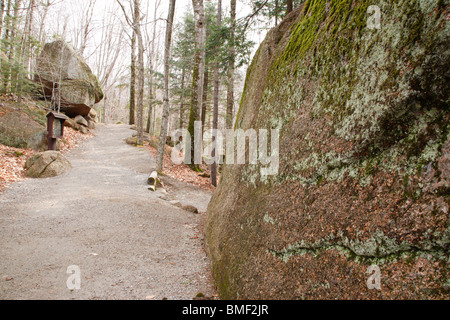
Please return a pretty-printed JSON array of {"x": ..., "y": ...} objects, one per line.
[{"x": 55, "y": 128}]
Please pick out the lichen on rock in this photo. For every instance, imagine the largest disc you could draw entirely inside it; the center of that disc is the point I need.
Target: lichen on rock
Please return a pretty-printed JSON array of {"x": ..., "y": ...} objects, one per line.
[{"x": 364, "y": 134}]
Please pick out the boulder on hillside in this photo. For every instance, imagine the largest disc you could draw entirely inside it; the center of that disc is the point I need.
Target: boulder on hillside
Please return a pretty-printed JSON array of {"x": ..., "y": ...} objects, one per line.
[
  {"x": 46, "y": 165},
  {"x": 81, "y": 121},
  {"x": 19, "y": 130},
  {"x": 92, "y": 115},
  {"x": 64, "y": 73},
  {"x": 72, "y": 124}
]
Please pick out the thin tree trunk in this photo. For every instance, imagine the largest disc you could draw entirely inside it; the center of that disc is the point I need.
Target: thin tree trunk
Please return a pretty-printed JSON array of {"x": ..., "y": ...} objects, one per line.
[
  {"x": 141, "y": 75},
  {"x": 290, "y": 6},
  {"x": 197, "y": 75},
  {"x": 29, "y": 52},
  {"x": 133, "y": 79},
  {"x": 166, "y": 103},
  {"x": 3, "y": 46},
  {"x": 86, "y": 29},
  {"x": 276, "y": 13},
  {"x": 183, "y": 81},
  {"x": 43, "y": 21},
  {"x": 151, "y": 63},
  {"x": 11, "y": 78},
  {"x": 231, "y": 68},
  {"x": 150, "y": 99},
  {"x": 205, "y": 97},
  {"x": 2, "y": 12},
  {"x": 216, "y": 102}
]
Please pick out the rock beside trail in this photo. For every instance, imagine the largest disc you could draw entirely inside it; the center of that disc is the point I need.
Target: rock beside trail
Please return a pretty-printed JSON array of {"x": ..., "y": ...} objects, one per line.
[
  {"x": 63, "y": 72},
  {"x": 17, "y": 129},
  {"x": 190, "y": 209},
  {"x": 92, "y": 115},
  {"x": 81, "y": 121},
  {"x": 46, "y": 165},
  {"x": 71, "y": 123},
  {"x": 364, "y": 159}
]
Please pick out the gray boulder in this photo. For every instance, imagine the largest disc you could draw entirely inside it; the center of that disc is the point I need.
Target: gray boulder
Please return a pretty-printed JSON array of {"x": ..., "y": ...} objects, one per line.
[
  {"x": 72, "y": 124},
  {"x": 64, "y": 73},
  {"x": 46, "y": 165},
  {"x": 19, "y": 130},
  {"x": 81, "y": 121}
]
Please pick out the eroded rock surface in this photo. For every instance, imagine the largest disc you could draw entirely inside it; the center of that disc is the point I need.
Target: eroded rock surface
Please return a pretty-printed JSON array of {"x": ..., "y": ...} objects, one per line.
[
  {"x": 364, "y": 121},
  {"x": 47, "y": 165},
  {"x": 63, "y": 73}
]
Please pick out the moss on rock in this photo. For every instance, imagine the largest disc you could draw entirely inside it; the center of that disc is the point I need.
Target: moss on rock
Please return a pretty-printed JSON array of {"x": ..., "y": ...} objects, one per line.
[{"x": 362, "y": 113}]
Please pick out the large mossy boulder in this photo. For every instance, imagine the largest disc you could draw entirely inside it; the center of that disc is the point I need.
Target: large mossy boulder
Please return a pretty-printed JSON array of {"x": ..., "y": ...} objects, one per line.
[
  {"x": 19, "y": 130},
  {"x": 64, "y": 74},
  {"x": 364, "y": 159}
]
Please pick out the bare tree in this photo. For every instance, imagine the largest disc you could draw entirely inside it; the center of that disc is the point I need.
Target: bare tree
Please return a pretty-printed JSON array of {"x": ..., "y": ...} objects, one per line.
[
  {"x": 216, "y": 102},
  {"x": 43, "y": 21},
  {"x": 151, "y": 63},
  {"x": 87, "y": 20},
  {"x": 231, "y": 67},
  {"x": 166, "y": 103},
  {"x": 107, "y": 57},
  {"x": 27, "y": 45},
  {"x": 131, "y": 23},
  {"x": 141, "y": 74},
  {"x": 198, "y": 73}
]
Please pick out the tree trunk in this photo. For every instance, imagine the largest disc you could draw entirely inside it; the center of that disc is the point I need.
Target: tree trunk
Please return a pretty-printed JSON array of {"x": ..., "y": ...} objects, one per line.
[
  {"x": 86, "y": 27},
  {"x": 197, "y": 75},
  {"x": 41, "y": 37},
  {"x": 216, "y": 102},
  {"x": 152, "y": 59},
  {"x": 28, "y": 45},
  {"x": 231, "y": 68},
  {"x": 290, "y": 6},
  {"x": 133, "y": 79},
  {"x": 150, "y": 98},
  {"x": 141, "y": 74},
  {"x": 2, "y": 12},
  {"x": 11, "y": 74},
  {"x": 183, "y": 81},
  {"x": 166, "y": 103},
  {"x": 276, "y": 13},
  {"x": 205, "y": 97},
  {"x": 3, "y": 47}
]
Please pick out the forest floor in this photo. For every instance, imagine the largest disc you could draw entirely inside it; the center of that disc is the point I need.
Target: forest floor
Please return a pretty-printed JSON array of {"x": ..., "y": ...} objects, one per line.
[{"x": 128, "y": 242}]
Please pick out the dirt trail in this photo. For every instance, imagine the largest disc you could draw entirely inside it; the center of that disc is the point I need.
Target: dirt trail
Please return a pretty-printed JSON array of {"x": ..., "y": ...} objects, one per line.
[{"x": 127, "y": 242}]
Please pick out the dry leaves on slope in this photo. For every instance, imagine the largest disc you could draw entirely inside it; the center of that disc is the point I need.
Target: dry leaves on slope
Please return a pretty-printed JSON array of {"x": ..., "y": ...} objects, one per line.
[
  {"x": 182, "y": 172},
  {"x": 12, "y": 160}
]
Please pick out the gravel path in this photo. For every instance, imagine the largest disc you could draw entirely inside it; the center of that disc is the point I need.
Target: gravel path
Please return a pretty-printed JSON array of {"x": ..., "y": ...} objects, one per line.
[{"x": 127, "y": 242}]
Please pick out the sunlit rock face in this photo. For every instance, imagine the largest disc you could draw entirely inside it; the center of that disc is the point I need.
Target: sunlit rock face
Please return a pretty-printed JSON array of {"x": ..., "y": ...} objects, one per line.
[{"x": 64, "y": 74}]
